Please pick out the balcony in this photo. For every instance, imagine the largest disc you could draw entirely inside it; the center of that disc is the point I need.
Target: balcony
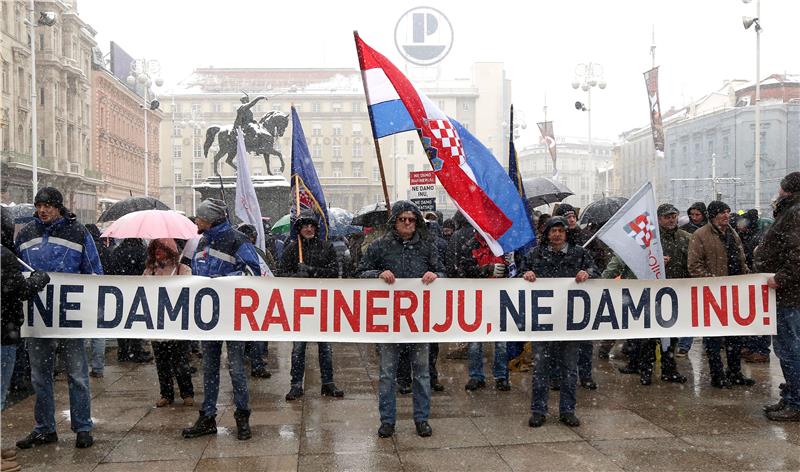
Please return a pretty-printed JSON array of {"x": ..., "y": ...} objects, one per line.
[{"x": 16, "y": 159}]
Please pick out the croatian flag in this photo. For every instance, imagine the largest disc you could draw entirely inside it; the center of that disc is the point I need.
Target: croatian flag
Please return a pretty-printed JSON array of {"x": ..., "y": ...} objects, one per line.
[{"x": 469, "y": 173}]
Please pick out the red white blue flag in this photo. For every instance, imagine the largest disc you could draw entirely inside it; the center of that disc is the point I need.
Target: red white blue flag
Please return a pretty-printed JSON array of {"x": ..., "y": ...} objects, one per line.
[{"x": 467, "y": 170}]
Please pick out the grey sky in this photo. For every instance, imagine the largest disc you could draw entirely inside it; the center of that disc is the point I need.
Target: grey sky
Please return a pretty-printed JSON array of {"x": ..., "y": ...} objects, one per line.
[{"x": 700, "y": 43}]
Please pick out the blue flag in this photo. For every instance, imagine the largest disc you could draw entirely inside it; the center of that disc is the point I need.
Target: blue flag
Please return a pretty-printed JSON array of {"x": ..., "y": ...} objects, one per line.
[
  {"x": 306, "y": 189},
  {"x": 516, "y": 177}
]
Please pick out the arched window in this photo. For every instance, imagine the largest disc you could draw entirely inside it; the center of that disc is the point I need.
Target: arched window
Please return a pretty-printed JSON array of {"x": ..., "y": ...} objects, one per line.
[{"x": 20, "y": 139}]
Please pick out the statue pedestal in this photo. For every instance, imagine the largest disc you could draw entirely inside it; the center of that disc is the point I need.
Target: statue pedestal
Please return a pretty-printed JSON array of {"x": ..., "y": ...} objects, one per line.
[{"x": 273, "y": 192}]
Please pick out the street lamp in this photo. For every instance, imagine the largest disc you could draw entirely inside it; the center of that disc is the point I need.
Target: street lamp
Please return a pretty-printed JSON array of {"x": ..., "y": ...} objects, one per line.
[
  {"x": 46, "y": 18},
  {"x": 747, "y": 22},
  {"x": 142, "y": 73},
  {"x": 587, "y": 77},
  {"x": 195, "y": 124}
]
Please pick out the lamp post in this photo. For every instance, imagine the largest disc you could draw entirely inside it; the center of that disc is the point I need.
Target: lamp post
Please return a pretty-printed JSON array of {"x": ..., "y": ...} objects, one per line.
[
  {"x": 142, "y": 73},
  {"x": 195, "y": 124},
  {"x": 588, "y": 76},
  {"x": 747, "y": 22},
  {"x": 45, "y": 19}
]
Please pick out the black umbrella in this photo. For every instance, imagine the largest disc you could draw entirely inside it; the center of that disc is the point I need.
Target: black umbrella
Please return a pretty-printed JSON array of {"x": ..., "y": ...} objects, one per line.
[
  {"x": 129, "y": 205},
  {"x": 371, "y": 215},
  {"x": 21, "y": 213},
  {"x": 602, "y": 210},
  {"x": 541, "y": 191}
]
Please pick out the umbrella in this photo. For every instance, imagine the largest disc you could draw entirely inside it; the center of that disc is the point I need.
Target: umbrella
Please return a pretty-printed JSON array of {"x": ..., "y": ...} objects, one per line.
[
  {"x": 600, "y": 211},
  {"x": 152, "y": 224},
  {"x": 542, "y": 190},
  {"x": 341, "y": 222},
  {"x": 283, "y": 225},
  {"x": 371, "y": 215},
  {"x": 129, "y": 205},
  {"x": 21, "y": 213}
]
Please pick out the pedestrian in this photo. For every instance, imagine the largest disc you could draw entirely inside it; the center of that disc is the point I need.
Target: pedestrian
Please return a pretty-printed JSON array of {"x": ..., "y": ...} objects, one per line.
[
  {"x": 172, "y": 356},
  {"x": 221, "y": 252},
  {"x": 715, "y": 250},
  {"x": 308, "y": 256},
  {"x": 556, "y": 257},
  {"x": 476, "y": 261},
  {"x": 128, "y": 259},
  {"x": 779, "y": 253},
  {"x": 97, "y": 346},
  {"x": 56, "y": 242},
  {"x": 403, "y": 252},
  {"x": 698, "y": 217},
  {"x": 456, "y": 244},
  {"x": 756, "y": 348}
]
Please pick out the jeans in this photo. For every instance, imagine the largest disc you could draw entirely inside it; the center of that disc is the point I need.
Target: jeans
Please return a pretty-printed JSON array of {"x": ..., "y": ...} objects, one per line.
[
  {"x": 98, "y": 348},
  {"x": 256, "y": 351},
  {"x": 499, "y": 368},
  {"x": 172, "y": 361},
  {"x": 585, "y": 360},
  {"x": 299, "y": 363},
  {"x": 565, "y": 355},
  {"x": 8, "y": 353},
  {"x": 733, "y": 353},
  {"x": 387, "y": 396},
  {"x": 404, "y": 364},
  {"x": 212, "y": 351},
  {"x": 757, "y": 344},
  {"x": 787, "y": 347},
  {"x": 42, "y": 354},
  {"x": 685, "y": 343}
]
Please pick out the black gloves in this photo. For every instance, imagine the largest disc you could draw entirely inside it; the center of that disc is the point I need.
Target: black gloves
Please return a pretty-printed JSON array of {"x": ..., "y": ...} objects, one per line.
[{"x": 39, "y": 280}]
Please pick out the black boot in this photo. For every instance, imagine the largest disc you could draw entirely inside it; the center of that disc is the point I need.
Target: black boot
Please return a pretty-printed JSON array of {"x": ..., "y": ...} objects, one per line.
[
  {"x": 242, "y": 418},
  {"x": 330, "y": 390},
  {"x": 204, "y": 425},
  {"x": 646, "y": 377}
]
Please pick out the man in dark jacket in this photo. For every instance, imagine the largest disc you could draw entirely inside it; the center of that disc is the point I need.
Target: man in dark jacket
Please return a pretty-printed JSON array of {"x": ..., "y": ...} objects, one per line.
[
  {"x": 129, "y": 259},
  {"x": 698, "y": 217},
  {"x": 746, "y": 225},
  {"x": 555, "y": 257},
  {"x": 258, "y": 350},
  {"x": 56, "y": 242},
  {"x": 403, "y": 252},
  {"x": 307, "y": 256},
  {"x": 779, "y": 253},
  {"x": 222, "y": 251}
]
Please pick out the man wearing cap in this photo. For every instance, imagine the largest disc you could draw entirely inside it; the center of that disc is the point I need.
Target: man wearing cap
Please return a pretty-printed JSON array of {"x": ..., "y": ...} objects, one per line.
[
  {"x": 222, "y": 251},
  {"x": 715, "y": 250},
  {"x": 56, "y": 242},
  {"x": 779, "y": 253}
]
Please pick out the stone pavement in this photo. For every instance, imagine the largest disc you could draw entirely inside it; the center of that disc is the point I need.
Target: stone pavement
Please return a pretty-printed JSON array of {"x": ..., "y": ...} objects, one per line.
[{"x": 625, "y": 426}]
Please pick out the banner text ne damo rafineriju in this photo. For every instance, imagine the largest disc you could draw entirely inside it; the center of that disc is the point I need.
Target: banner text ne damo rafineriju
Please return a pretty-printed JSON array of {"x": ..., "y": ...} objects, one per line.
[{"x": 360, "y": 310}]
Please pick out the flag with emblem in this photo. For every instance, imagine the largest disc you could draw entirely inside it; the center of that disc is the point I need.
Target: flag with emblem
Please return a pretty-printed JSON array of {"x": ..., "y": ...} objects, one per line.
[
  {"x": 306, "y": 189},
  {"x": 467, "y": 170}
]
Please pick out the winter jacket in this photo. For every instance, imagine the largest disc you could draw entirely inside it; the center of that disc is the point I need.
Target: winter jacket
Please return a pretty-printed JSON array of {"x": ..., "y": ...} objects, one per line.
[
  {"x": 567, "y": 262},
  {"x": 779, "y": 251},
  {"x": 64, "y": 245},
  {"x": 457, "y": 255},
  {"x": 406, "y": 259},
  {"x": 675, "y": 245},
  {"x": 224, "y": 251},
  {"x": 707, "y": 254},
  {"x": 128, "y": 258},
  {"x": 319, "y": 259},
  {"x": 617, "y": 268},
  {"x": 691, "y": 227},
  {"x": 15, "y": 290},
  {"x": 476, "y": 260}
]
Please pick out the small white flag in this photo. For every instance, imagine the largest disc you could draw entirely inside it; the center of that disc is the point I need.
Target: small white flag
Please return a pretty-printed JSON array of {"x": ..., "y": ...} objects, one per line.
[{"x": 247, "y": 207}]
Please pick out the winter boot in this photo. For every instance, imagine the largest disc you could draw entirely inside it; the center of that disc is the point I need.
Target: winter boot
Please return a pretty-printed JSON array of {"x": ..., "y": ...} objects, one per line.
[
  {"x": 646, "y": 376},
  {"x": 204, "y": 425},
  {"x": 242, "y": 418},
  {"x": 330, "y": 390}
]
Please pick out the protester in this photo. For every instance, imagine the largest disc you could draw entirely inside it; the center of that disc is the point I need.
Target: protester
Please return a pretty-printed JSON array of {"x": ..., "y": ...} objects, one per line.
[
  {"x": 222, "y": 251},
  {"x": 403, "y": 252},
  {"x": 461, "y": 238},
  {"x": 56, "y": 242},
  {"x": 172, "y": 356},
  {"x": 715, "y": 250},
  {"x": 556, "y": 257},
  {"x": 97, "y": 346},
  {"x": 318, "y": 261},
  {"x": 698, "y": 217},
  {"x": 257, "y": 350},
  {"x": 128, "y": 259},
  {"x": 779, "y": 253},
  {"x": 756, "y": 348}
]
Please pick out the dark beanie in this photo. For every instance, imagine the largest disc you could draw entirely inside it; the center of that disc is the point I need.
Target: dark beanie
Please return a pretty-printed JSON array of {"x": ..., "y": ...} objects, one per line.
[
  {"x": 563, "y": 209},
  {"x": 49, "y": 196},
  {"x": 716, "y": 207},
  {"x": 212, "y": 210},
  {"x": 791, "y": 183}
]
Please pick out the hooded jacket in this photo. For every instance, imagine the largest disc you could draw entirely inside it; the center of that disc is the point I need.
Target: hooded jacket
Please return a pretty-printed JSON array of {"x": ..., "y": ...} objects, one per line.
[
  {"x": 405, "y": 259},
  {"x": 224, "y": 251},
  {"x": 779, "y": 251},
  {"x": 691, "y": 227},
  {"x": 546, "y": 263},
  {"x": 63, "y": 245},
  {"x": 319, "y": 257}
]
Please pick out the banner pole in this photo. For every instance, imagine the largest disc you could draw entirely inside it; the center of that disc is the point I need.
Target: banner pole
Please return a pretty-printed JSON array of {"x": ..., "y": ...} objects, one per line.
[
  {"x": 372, "y": 126},
  {"x": 297, "y": 215}
]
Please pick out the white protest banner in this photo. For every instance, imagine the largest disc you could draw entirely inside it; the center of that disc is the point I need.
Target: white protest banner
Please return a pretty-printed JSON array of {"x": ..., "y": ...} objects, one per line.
[{"x": 360, "y": 310}]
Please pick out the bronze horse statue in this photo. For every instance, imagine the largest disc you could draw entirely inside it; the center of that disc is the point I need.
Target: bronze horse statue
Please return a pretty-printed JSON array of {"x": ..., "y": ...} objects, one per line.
[{"x": 260, "y": 140}]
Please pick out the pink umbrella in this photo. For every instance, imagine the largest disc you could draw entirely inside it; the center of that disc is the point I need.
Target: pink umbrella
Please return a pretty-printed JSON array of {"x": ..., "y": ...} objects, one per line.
[{"x": 152, "y": 224}]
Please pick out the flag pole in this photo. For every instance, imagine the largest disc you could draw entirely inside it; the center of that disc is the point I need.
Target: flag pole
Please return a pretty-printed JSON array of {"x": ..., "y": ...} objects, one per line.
[
  {"x": 297, "y": 215},
  {"x": 372, "y": 125}
]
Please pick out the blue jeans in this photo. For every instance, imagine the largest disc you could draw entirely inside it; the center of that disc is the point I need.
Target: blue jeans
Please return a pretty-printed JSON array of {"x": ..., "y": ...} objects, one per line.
[
  {"x": 685, "y": 343},
  {"x": 256, "y": 350},
  {"x": 299, "y": 363},
  {"x": 565, "y": 355},
  {"x": 499, "y": 368},
  {"x": 98, "y": 347},
  {"x": 42, "y": 353},
  {"x": 387, "y": 396},
  {"x": 787, "y": 347},
  {"x": 212, "y": 351},
  {"x": 9, "y": 358}
]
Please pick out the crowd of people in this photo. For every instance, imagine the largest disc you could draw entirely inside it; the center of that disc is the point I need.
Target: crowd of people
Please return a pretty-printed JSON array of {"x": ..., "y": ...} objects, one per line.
[{"x": 715, "y": 242}]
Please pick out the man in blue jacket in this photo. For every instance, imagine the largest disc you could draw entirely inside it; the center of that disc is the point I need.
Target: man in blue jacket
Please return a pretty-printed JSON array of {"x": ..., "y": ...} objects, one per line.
[
  {"x": 221, "y": 252},
  {"x": 56, "y": 242}
]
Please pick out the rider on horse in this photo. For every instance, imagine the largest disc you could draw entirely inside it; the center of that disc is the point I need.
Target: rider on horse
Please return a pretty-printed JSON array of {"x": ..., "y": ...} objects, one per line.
[{"x": 245, "y": 119}]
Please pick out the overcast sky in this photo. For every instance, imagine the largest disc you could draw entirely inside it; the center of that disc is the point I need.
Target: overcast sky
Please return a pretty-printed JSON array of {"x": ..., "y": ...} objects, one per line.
[{"x": 700, "y": 43}]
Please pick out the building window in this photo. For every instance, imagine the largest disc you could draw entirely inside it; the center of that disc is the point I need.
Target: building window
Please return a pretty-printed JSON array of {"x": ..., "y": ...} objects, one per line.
[
  {"x": 357, "y": 153},
  {"x": 258, "y": 171},
  {"x": 197, "y": 152},
  {"x": 316, "y": 151},
  {"x": 178, "y": 199},
  {"x": 357, "y": 107},
  {"x": 376, "y": 175},
  {"x": 337, "y": 130},
  {"x": 316, "y": 129},
  {"x": 198, "y": 170},
  {"x": 217, "y": 107},
  {"x": 41, "y": 96},
  {"x": 315, "y": 107},
  {"x": 336, "y": 106},
  {"x": 196, "y": 108},
  {"x": 336, "y": 169},
  {"x": 441, "y": 104},
  {"x": 357, "y": 169},
  {"x": 177, "y": 132},
  {"x": 276, "y": 107},
  {"x": 726, "y": 146},
  {"x": 336, "y": 151},
  {"x": 356, "y": 129},
  {"x": 176, "y": 151},
  {"x": 466, "y": 106},
  {"x": 710, "y": 147},
  {"x": 410, "y": 168},
  {"x": 197, "y": 132},
  {"x": 410, "y": 147},
  {"x": 41, "y": 146},
  {"x": 178, "y": 177},
  {"x": 6, "y": 74}
]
